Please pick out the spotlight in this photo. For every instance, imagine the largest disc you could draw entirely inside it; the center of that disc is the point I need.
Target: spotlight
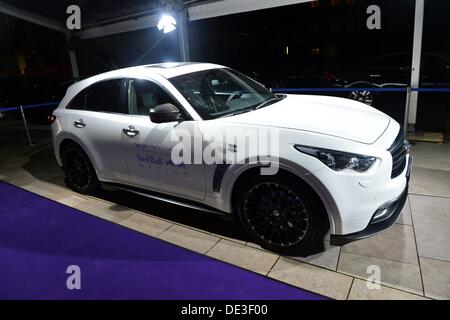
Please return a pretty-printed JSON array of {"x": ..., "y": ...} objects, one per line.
[{"x": 167, "y": 23}]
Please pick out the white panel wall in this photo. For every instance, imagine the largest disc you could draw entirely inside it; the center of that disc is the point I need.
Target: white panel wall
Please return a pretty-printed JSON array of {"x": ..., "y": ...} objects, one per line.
[
  {"x": 226, "y": 7},
  {"x": 120, "y": 27}
]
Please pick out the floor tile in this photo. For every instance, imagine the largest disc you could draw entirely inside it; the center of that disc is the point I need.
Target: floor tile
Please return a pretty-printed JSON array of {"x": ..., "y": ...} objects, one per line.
[
  {"x": 243, "y": 256},
  {"x": 431, "y": 155},
  {"x": 436, "y": 278},
  {"x": 256, "y": 246},
  {"x": 322, "y": 281},
  {"x": 72, "y": 200},
  {"x": 403, "y": 276},
  {"x": 327, "y": 259},
  {"x": 431, "y": 218},
  {"x": 396, "y": 244},
  {"x": 48, "y": 190},
  {"x": 360, "y": 291},
  {"x": 146, "y": 224},
  {"x": 405, "y": 215},
  {"x": 189, "y": 238},
  {"x": 430, "y": 182},
  {"x": 35, "y": 187},
  {"x": 20, "y": 180},
  {"x": 243, "y": 242},
  {"x": 105, "y": 210}
]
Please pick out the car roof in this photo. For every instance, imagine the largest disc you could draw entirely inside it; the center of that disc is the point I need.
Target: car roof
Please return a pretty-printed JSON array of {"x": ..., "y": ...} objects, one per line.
[
  {"x": 167, "y": 70},
  {"x": 173, "y": 69}
]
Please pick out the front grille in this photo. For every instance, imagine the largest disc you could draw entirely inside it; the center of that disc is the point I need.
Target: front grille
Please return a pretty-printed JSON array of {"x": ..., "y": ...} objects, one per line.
[{"x": 398, "y": 152}]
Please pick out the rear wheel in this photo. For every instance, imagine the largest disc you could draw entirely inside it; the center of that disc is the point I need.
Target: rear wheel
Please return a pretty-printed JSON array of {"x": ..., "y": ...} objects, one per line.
[
  {"x": 80, "y": 175},
  {"x": 281, "y": 214},
  {"x": 365, "y": 96}
]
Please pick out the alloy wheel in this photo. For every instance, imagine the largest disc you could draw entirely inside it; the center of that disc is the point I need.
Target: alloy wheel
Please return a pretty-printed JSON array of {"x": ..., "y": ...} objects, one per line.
[
  {"x": 77, "y": 169},
  {"x": 362, "y": 96},
  {"x": 276, "y": 214}
]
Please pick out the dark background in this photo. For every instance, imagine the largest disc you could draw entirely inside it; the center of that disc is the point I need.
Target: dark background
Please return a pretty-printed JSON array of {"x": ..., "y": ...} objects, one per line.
[{"x": 318, "y": 44}]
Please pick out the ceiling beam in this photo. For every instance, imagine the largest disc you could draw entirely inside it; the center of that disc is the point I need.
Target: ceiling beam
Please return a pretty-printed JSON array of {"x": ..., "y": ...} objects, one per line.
[
  {"x": 15, "y": 12},
  {"x": 227, "y": 7},
  {"x": 119, "y": 27},
  {"x": 196, "y": 12}
]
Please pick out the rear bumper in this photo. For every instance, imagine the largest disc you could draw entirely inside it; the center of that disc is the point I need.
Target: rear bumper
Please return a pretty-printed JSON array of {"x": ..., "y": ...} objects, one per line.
[{"x": 391, "y": 211}]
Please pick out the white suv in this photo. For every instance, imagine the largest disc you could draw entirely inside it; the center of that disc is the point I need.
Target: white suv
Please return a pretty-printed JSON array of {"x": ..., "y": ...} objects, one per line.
[{"x": 340, "y": 164}]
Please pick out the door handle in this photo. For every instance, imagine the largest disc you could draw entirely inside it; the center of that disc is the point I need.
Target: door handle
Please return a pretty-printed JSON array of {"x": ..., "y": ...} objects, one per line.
[
  {"x": 79, "y": 124},
  {"x": 131, "y": 132}
]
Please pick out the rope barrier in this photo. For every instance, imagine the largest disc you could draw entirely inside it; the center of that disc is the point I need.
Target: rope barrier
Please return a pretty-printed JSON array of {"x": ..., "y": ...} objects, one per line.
[
  {"x": 31, "y": 106},
  {"x": 338, "y": 89},
  {"x": 403, "y": 89}
]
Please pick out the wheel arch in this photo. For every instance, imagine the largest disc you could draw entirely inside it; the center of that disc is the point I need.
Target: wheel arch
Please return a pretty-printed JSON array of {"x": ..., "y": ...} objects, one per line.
[
  {"x": 72, "y": 140},
  {"x": 235, "y": 176}
]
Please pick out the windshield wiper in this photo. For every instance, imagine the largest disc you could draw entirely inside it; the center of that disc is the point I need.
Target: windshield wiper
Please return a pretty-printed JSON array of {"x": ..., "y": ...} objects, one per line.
[
  {"x": 259, "y": 106},
  {"x": 267, "y": 102},
  {"x": 240, "y": 111}
]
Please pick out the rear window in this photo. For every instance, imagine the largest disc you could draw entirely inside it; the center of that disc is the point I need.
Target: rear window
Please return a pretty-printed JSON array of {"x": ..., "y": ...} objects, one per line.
[
  {"x": 104, "y": 96},
  {"x": 78, "y": 102}
]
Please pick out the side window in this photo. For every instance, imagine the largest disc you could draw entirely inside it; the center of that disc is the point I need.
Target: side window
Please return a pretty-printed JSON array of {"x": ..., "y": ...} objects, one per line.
[
  {"x": 78, "y": 102},
  {"x": 144, "y": 95},
  {"x": 105, "y": 97}
]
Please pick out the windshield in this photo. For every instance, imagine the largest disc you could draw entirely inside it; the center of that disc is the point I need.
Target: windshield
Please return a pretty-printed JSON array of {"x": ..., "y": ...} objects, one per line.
[{"x": 216, "y": 93}]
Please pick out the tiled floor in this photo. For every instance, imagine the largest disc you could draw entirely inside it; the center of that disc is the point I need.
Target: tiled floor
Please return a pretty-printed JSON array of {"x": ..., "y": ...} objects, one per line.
[{"x": 413, "y": 256}]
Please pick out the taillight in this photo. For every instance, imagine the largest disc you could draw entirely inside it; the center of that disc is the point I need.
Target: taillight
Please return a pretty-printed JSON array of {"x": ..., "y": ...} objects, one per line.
[{"x": 51, "y": 118}]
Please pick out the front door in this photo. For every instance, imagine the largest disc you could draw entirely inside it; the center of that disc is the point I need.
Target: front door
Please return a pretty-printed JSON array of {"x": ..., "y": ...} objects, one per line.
[{"x": 148, "y": 146}]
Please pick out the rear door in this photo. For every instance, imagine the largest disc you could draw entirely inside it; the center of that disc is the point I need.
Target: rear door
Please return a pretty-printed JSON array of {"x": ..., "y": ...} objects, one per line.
[{"x": 97, "y": 121}]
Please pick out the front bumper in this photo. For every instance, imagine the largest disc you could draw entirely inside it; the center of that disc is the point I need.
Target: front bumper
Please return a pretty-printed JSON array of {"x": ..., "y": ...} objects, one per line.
[{"x": 391, "y": 212}]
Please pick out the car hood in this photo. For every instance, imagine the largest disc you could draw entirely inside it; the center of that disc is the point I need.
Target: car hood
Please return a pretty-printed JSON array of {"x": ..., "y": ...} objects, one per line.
[{"x": 339, "y": 117}]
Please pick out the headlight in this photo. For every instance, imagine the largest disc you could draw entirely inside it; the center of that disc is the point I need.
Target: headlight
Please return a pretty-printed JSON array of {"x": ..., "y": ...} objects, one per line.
[{"x": 338, "y": 160}]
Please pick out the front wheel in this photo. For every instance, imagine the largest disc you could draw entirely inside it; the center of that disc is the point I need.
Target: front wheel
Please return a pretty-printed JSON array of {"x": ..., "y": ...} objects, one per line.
[{"x": 281, "y": 214}]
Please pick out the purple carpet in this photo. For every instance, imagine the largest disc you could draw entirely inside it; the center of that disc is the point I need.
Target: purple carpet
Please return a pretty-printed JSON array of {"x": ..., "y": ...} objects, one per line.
[{"x": 40, "y": 238}]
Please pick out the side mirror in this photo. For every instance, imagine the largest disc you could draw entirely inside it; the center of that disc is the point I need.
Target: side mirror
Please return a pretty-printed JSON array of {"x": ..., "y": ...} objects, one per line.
[{"x": 166, "y": 112}]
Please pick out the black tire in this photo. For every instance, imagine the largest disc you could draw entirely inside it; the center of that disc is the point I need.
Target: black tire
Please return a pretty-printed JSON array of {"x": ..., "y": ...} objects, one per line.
[
  {"x": 80, "y": 175},
  {"x": 282, "y": 214}
]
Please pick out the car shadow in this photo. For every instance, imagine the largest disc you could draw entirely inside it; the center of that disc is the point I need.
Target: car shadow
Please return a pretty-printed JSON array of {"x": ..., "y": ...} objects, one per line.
[{"x": 43, "y": 166}]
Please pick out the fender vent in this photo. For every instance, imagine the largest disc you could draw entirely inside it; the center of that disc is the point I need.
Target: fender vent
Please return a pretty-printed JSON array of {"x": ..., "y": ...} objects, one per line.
[
  {"x": 398, "y": 152},
  {"x": 218, "y": 176}
]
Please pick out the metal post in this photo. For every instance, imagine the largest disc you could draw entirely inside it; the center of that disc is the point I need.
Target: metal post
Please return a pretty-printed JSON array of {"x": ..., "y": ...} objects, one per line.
[
  {"x": 415, "y": 68},
  {"x": 72, "y": 56},
  {"x": 26, "y": 126},
  {"x": 74, "y": 64},
  {"x": 408, "y": 97},
  {"x": 183, "y": 34}
]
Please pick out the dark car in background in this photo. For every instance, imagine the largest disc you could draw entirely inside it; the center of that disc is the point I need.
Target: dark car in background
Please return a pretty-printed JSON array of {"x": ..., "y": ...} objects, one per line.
[
  {"x": 394, "y": 70},
  {"x": 383, "y": 71},
  {"x": 386, "y": 71}
]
